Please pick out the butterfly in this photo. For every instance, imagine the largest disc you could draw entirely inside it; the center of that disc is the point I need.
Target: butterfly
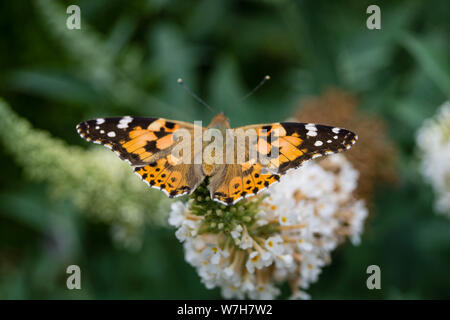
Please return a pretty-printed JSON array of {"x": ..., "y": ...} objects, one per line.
[{"x": 147, "y": 144}]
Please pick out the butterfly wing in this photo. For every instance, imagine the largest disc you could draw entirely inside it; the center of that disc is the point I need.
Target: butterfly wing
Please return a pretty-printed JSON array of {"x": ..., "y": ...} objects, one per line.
[
  {"x": 146, "y": 144},
  {"x": 233, "y": 182},
  {"x": 292, "y": 144},
  {"x": 173, "y": 180},
  {"x": 138, "y": 141}
]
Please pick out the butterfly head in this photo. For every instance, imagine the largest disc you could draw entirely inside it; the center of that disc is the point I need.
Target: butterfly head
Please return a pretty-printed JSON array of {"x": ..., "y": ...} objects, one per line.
[{"x": 220, "y": 122}]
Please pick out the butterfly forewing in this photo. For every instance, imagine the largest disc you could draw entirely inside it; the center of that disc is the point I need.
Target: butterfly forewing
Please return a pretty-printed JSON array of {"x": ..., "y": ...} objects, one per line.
[
  {"x": 299, "y": 142},
  {"x": 138, "y": 141},
  {"x": 146, "y": 144}
]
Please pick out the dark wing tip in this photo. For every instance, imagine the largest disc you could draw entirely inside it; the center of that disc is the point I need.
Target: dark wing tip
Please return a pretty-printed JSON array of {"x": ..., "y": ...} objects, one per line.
[
  {"x": 349, "y": 139},
  {"x": 83, "y": 130}
]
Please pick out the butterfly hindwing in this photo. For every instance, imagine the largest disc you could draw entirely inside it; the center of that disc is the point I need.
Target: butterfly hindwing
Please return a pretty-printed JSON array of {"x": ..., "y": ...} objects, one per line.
[
  {"x": 234, "y": 182},
  {"x": 174, "y": 180}
]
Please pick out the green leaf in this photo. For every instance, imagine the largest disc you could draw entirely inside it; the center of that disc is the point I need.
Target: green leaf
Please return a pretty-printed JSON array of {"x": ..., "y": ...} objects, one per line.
[{"x": 437, "y": 70}]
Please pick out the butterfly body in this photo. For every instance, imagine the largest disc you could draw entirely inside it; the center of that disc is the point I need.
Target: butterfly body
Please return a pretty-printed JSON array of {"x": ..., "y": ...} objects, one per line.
[{"x": 237, "y": 168}]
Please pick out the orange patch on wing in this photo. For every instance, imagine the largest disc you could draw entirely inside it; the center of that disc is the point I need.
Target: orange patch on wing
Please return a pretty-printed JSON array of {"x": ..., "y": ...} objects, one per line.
[
  {"x": 175, "y": 177},
  {"x": 262, "y": 132},
  {"x": 263, "y": 146},
  {"x": 170, "y": 179},
  {"x": 145, "y": 156},
  {"x": 246, "y": 165},
  {"x": 279, "y": 160},
  {"x": 256, "y": 181},
  {"x": 291, "y": 152},
  {"x": 139, "y": 151},
  {"x": 133, "y": 145},
  {"x": 151, "y": 172},
  {"x": 278, "y": 130},
  {"x": 293, "y": 140},
  {"x": 156, "y": 125},
  {"x": 287, "y": 149},
  {"x": 140, "y": 141},
  {"x": 173, "y": 161},
  {"x": 164, "y": 142},
  {"x": 162, "y": 125},
  {"x": 275, "y": 129},
  {"x": 136, "y": 132},
  {"x": 173, "y": 181},
  {"x": 235, "y": 186}
]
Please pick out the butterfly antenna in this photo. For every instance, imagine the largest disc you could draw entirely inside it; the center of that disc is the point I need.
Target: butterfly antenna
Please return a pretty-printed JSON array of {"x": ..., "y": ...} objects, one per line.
[
  {"x": 181, "y": 82},
  {"x": 267, "y": 77}
]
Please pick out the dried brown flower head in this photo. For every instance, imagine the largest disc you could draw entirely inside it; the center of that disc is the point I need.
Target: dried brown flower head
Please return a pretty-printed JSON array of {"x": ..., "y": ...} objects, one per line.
[{"x": 374, "y": 154}]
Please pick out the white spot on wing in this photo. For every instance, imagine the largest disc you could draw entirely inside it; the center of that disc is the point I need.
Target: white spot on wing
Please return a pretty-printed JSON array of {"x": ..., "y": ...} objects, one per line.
[
  {"x": 123, "y": 123},
  {"x": 336, "y": 130},
  {"x": 318, "y": 143},
  {"x": 100, "y": 121},
  {"x": 111, "y": 134}
]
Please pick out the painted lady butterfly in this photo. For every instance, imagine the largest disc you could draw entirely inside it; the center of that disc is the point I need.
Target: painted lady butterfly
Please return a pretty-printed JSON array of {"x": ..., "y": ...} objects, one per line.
[{"x": 147, "y": 144}]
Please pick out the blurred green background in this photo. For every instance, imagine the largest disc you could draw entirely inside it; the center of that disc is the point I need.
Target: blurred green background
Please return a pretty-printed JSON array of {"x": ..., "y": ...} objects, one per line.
[{"x": 126, "y": 59}]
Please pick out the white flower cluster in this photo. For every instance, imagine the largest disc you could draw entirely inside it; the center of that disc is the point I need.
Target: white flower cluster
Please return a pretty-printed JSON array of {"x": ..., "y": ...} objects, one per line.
[
  {"x": 433, "y": 140},
  {"x": 295, "y": 228}
]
